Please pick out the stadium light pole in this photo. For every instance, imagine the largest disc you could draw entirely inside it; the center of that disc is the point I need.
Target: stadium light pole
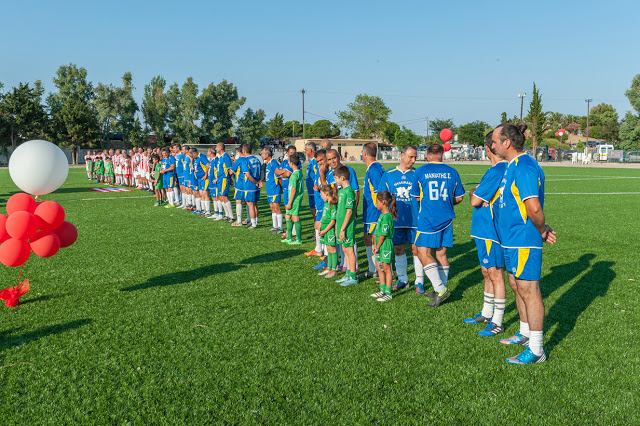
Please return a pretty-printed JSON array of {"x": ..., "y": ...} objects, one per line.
[
  {"x": 521, "y": 96},
  {"x": 586, "y": 145}
]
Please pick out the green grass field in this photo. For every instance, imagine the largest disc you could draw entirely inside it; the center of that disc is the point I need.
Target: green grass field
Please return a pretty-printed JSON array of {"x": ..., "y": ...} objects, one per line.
[{"x": 156, "y": 316}]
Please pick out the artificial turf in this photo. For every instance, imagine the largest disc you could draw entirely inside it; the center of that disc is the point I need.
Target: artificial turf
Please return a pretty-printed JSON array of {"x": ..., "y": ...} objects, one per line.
[{"x": 157, "y": 316}]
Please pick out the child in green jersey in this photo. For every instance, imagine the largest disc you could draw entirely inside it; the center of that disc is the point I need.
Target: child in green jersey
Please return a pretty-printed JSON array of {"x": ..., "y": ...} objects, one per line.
[
  {"x": 99, "y": 169},
  {"x": 383, "y": 243},
  {"x": 108, "y": 171},
  {"x": 157, "y": 179},
  {"x": 346, "y": 224},
  {"x": 327, "y": 232},
  {"x": 296, "y": 192}
]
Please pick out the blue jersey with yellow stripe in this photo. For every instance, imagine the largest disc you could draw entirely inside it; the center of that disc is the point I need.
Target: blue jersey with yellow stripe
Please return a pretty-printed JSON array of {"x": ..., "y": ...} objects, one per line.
[
  {"x": 251, "y": 167},
  {"x": 370, "y": 212},
  {"x": 437, "y": 186},
  {"x": 523, "y": 179},
  {"x": 401, "y": 183},
  {"x": 213, "y": 168},
  {"x": 309, "y": 179},
  {"x": 285, "y": 181},
  {"x": 180, "y": 164},
  {"x": 224, "y": 164},
  {"x": 167, "y": 163},
  {"x": 482, "y": 225},
  {"x": 236, "y": 168},
  {"x": 200, "y": 164},
  {"x": 271, "y": 179}
]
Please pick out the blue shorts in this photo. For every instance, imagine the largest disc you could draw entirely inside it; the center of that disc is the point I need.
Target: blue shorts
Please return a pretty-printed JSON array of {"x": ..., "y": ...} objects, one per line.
[
  {"x": 403, "y": 236},
  {"x": 239, "y": 195},
  {"x": 318, "y": 215},
  {"x": 490, "y": 253},
  {"x": 223, "y": 187},
  {"x": 442, "y": 238},
  {"x": 251, "y": 196},
  {"x": 203, "y": 184},
  {"x": 193, "y": 183},
  {"x": 213, "y": 190},
  {"x": 181, "y": 180},
  {"x": 312, "y": 201},
  {"x": 369, "y": 227},
  {"x": 524, "y": 263},
  {"x": 285, "y": 196},
  {"x": 168, "y": 181},
  {"x": 274, "y": 199},
  {"x": 369, "y": 217}
]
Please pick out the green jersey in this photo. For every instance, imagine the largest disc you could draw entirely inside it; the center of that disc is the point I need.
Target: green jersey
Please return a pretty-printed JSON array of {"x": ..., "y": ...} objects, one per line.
[
  {"x": 329, "y": 213},
  {"x": 296, "y": 181},
  {"x": 99, "y": 167},
  {"x": 108, "y": 169},
  {"x": 346, "y": 201},
  {"x": 384, "y": 228}
]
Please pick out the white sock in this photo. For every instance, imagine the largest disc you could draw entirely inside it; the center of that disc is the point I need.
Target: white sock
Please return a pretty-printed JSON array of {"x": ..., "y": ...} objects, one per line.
[
  {"x": 176, "y": 194},
  {"x": 372, "y": 265},
  {"x": 170, "y": 197},
  {"x": 487, "y": 306},
  {"x": 431, "y": 271},
  {"x": 254, "y": 221},
  {"x": 318, "y": 243},
  {"x": 498, "y": 311},
  {"x": 524, "y": 328},
  {"x": 417, "y": 266},
  {"x": 227, "y": 208},
  {"x": 535, "y": 342},
  {"x": 355, "y": 251},
  {"x": 274, "y": 221},
  {"x": 444, "y": 274},
  {"x": 247, "y": 209},
  {"x": 293, "y": 231},
  {"x": 198, "y": 204},
  {"x": 401, "y": 268},
  {"x": 207, "y": 206},
  {"x": 239, "y": 212}
]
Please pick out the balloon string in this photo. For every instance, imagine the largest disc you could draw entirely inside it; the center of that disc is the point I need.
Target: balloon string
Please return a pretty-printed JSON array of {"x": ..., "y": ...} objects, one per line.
[{"x": 20, "y": 276}]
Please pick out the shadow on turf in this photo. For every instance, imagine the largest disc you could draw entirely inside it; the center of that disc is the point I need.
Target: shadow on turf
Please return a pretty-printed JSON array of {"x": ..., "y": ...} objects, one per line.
[
  {"x": 43, "y": 298},
  {"x": 182, "y": 277},
  {"x": 272, "y": 256},
  {"x": 8, "y": 340}
]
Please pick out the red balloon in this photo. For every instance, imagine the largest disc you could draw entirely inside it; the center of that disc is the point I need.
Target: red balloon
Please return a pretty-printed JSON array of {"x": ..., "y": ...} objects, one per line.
[
  {"x": 50, "y": 215},
  {"x": 446, "y": 135},
  {"x": 4, "y": 236},
  {"x": 22, "y": 225},
  {"x": 14, "y": 252},
  {"x": 21, "y": 202},
  {"x": 45, "y": 244},
  {"x": 447, "y": 147},
  {"x": 563, "y": 131},
  {"x": 67, "y": 233},
  {"x": 558, "y": 133}
]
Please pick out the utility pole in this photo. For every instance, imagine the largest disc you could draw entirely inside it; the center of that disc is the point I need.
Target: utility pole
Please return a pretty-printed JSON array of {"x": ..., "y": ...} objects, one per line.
[
  {"x": 521, "y": 96},
  {"x": 588, "y": 101},
  {"x": 428, "y": 129},
  {"x": 303, "y": 126}
]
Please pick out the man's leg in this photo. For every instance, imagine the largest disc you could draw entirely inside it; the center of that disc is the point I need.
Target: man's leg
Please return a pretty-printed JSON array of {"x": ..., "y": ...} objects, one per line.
[
  {"x": 530, "y": 293},
  {"x": 368, "y": 246},
  {"x": 401, "y": 265},
  {"x": 443, "y": 264}
]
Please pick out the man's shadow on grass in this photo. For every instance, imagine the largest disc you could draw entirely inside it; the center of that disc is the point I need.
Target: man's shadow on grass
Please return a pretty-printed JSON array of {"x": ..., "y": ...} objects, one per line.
[
  {"x": 272, "y": 256},
  {"x": 8, "y": 340},
  {"x": 182, "y": 277},
  {"x": 568, "y": 308}
]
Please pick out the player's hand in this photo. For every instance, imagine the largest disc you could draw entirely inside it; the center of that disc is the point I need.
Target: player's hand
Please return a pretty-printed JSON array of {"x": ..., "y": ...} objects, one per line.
[
  {"x": 316, "y": 188},
  {"x": 549, "y": 235},
  {"x": 287, "y": 207},
  {"x": 215, "y": 181},
  {"x": 375, "y": 250},
  {"x": 259, "y": 184},
  {"x": 485, "y": 204},
  {"x": 342, "y": 235},
  {"x": 321, "y": 233}
]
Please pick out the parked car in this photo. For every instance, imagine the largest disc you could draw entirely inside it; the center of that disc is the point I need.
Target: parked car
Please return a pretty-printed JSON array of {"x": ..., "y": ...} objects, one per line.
[{"x": 632, "y": 157}]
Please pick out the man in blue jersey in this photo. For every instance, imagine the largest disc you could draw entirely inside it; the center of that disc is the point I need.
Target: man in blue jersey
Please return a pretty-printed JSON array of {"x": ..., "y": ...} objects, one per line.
[
  {"x": 321, "y": 161},
  {"x": 401, "y": 181},
  {"x": 315, "y": 201},
  {"x": 438, "y": 189},
  {"x": 214, "y": 160},
  {"x": 490, "y": 253},
  {"x": 521, "y": 227},
  {"x": 370, "y": 212},
  {"x": 200, "y": 170},
  {"x": 168, "y": 172},
  {"x": 188, "y": 194},
  {"x": 274, "y": 190},
  {"x": 180, "y": 154},
  {"x": 222, "y": 182},
  {"x": 284, "y": 172},
  {"x": 236, "y": 170},
  {"x": 252, "y": 170}
]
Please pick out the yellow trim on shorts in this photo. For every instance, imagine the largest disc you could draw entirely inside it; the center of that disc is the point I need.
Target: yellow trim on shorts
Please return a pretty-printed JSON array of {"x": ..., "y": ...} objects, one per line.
[
  {"x": 488, "y": 244},
  {"x": 523, "y": 256}
]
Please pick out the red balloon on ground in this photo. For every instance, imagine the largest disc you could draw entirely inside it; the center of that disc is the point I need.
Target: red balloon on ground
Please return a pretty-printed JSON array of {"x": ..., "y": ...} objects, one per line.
[
  {"x": 50, "y": 215},
  {"x": 45, "y": 244},
  {"x": 21, "y": 202},
  {"x": 22, "y": 225},
  {"x": 447, "y": 147},
  {"x": 67, "y": 233},
  {"x": 446, "y": 135},
  {"x": 14, "y": 252},
  {"x": 4, "y": 236}
]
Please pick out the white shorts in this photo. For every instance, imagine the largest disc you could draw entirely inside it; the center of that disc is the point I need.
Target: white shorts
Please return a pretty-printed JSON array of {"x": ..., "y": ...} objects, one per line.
[
  {"x": 135, "y": 173},
  {"x": 148, "y": 175},
  {"x": 118, "y": 170}
]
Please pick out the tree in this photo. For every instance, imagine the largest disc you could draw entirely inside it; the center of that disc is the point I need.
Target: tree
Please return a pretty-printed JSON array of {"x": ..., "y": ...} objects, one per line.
[
  {"x": 23, "y": 114},
  {"x": 406, "y": 136},
  {"x": 473, "y": 133},
  {"x": 324, "y": 129},
  {"x": 184, "y": 112},
  {"x": 136, "y": 135},
  {"x": 437, "y": 125},
  {"x": 537, "y": 118},
  {"x": 276, "y": 128},
  {"x": 503, "y": 118},
  {"x": 293, "y": 129},
  {"x": 390, "y": 132},
  {"x": 218, "y": 107},
  {"x": 155, "y": 107},
  {"x": 630, "y": 128},
  {"x": 251, "y": 127},
  {"x": 366, "y": 117},
  {"x": 604, "y": 121}
]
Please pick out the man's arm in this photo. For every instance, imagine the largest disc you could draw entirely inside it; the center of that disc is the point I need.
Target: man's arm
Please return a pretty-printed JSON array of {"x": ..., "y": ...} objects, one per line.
[
  {"x": 535, "y": 213},
  {"x": 457, "y": 200}
]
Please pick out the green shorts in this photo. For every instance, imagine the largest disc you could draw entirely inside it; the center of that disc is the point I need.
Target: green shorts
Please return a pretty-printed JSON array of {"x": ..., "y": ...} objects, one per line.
[
  {"x": 329, "y": 238},
  {"x": 295, "y": 207},
  {"x": 384, "y": 256},
  {"x": 159, "y": 184},
  {"x": 349, "y": 239}
]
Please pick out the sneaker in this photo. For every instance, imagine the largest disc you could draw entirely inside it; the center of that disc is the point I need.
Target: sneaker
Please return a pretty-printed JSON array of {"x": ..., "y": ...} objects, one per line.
[
  {"x": 430, "y": 294},
  {"x": 230, "y": 219},
  {"x": 252, "y": 227},
  {"x": 236, "y": 224},
  {"x": 439, "y": 298},
  {"x": 527, "y": 357},
  {"x": 314, "y": 253},
  {"x": 340, "y": 268},
  {"x": 284, "y": 235},
  {"x": 325, "y": 271},
  {"x": 343, "y": 279},
  {"x": 169, "y": 206},
  {"x": 419, "y": 288},
  {"x": 272, "y": 229},
  {"x": 218, "y": 217},
  {"x": 212, "y": 216},
  {"x": 349, "y": 282},
  {"x": 320, "y": 266},
  {"x": 295, "y": 243},
  {"x": 477, "y": 319},
  {"x": 491, "y": 330},
  {"x": 278, "y": 231},
  {"x": 331, "y": 274},
  {"x": 368, "y": 275},
  {"x": 196, "y": 211},
  {"x": 376, "y": 295},
  {"x": 384, "y": 298},
  {"x": 244, "y": 222},
  {"x": 208, "y": 215},
  {"x": 285, "y": 241},
  {"x": 516, "y": 339},
  {"x": 157, "y": 204},
  {"x": 400, "y": 285}
]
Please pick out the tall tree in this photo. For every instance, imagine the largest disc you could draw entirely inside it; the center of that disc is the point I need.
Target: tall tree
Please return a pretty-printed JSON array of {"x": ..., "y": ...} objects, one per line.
[
  {"x": 276, "y": 128},
  {"x": 406, "y": 136},
  {"x": 390, "y": 132},
  {"x": 155, "y": 107},
  {"x": 366, "y": 117},
  {"x": 23, "y": 113},
  {"x": 604, "y": 122},
  {"x": 473, "y": 133},
  {"x": 251, "y": 127},
  {"x": 630, "y": 128},
  {"x": 437, "y": 125},
  {"x": 324, "y": 129},
  {"x": 218, "y": 106},
  {"x": 293, "y": 129},
  {"x": 537, "y": 118},
  {"x": 184, "y": 112},
  {"x": 503, "y": 118},
  {"x": 127, "y": 107}
]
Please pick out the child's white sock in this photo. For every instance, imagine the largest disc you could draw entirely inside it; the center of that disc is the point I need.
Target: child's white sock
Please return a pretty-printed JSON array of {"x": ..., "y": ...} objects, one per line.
[{"x": 417, "y": 266}]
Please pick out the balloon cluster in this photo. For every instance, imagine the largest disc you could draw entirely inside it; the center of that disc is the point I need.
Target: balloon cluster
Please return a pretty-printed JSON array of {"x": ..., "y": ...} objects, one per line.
[
  {"x": 561, "y": 132},
  {"x": 35, "y": 227}
]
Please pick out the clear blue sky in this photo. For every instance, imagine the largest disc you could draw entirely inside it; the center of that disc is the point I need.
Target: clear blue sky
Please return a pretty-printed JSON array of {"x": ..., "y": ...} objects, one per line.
[{"x": 465, "y": 60}]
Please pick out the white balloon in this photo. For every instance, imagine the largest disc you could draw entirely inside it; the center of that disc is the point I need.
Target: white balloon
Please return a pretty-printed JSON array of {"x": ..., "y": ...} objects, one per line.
[{"x": 38, "y": 167}]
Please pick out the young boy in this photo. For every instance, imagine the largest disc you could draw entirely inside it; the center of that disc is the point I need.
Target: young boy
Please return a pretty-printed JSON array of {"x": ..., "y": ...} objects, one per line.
[
  {"x": 346, "y": 226},
  {"x": 99, "y": 169},
  {"x": 108, "y": 171},
  {"x": 157, "y": 179},
  {"x": 296, "y": 192}
]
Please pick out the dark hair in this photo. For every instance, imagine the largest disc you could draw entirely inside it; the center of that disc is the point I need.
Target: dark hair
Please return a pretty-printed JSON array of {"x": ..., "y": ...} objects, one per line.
[
  {"x": 407, "y": 147},
  {"x": 294, "y": 159},
  {"x": 246, "y": 148},
  {"x": 193, "y": 151},
  {"x": 332, "y": 192},
  {"x": 389, "y": 200},
  {"x": 515, "y": 133},
  {"x": 488, "y": 138},
  {"x": 176, "y": 144},
  {"x": 371, "y": 149},
  {"x": 319, "y": 153},
  {"x": 343, "y": 172},
  {"x": 155, "y": 157},
  {"x": 165, "y": 149},
  {"x": 290, "y": 147},
  {"x": 186, "y": 146},
  {"x": 435, "y": 149}
]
